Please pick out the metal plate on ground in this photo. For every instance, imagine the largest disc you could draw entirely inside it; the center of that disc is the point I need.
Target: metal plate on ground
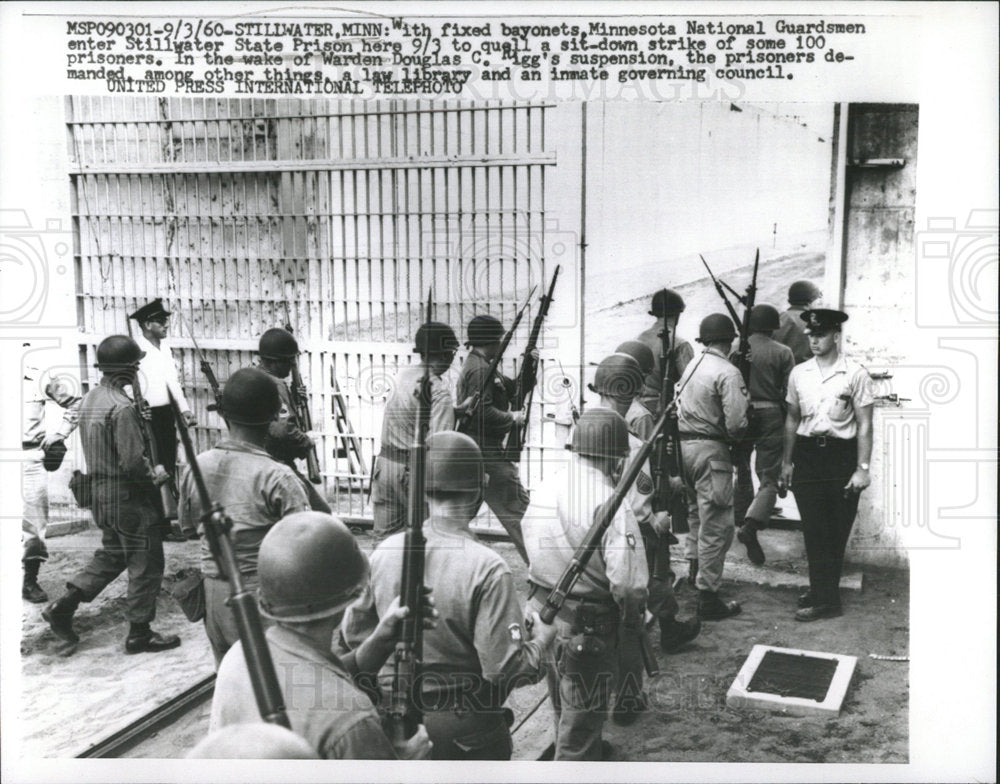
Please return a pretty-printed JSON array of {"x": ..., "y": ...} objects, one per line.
[{"x": 793, "y": 681}]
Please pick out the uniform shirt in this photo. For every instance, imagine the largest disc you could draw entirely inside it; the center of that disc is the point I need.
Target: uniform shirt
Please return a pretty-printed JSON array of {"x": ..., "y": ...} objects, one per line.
[
  {"x": 771, "y": 363},
  {"x": 492, "y": 420},
  {"x": 158, "y": 373},
  {"x": 37, "y": 390},
  {"x": 285, "y": 439},
  {"x": 639, "y": 420},
  {"x": 558, "y": 518},
  {"x": 322, "y": 702},
  {"x": 791, "y": 332},
  {"x": 653, "y": 383},
  {"x": 255, "y": 490},
  {"x": 401, "y": 407},
  {"x": 712, "y": 399},
  {"x": 828, "y": 399},
  {"x": 479, "y": 631},
  {"x": 111, "y": 435}
]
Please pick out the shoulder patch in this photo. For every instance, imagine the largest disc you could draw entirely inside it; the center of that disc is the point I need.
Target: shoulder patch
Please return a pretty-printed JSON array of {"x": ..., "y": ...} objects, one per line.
[
  {"x": 643, "y": 483},
  {"x": 630, "y": 538},
  {"x": 514, "y": 630}
]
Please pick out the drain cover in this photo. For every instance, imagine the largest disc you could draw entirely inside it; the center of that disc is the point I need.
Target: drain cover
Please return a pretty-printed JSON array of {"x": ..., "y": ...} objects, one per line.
[
  {"x": 793, "y": 681},
  {"x": 794, "y": 675}
]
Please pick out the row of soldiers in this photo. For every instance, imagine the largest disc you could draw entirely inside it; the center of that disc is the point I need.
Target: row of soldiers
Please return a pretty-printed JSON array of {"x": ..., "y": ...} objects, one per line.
[{"x": 334, "y": 613}]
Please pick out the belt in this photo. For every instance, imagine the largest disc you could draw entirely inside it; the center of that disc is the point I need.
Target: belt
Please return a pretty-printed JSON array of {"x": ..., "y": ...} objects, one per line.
[
  {"x": 700, "y": 437},
  {"x": 823, "y": 441},
  {"x": 394, "y": 453},
  {"x": 765, "y": 404}
]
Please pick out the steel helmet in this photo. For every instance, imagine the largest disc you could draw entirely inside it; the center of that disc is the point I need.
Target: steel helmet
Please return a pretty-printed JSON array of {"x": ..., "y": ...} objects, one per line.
[
  {"x": 764, "y": 318},
  {"x": 666, "y": 302},
  {"x": 483, "y": 330},
  {"x": 618, "y": 377},
  {"x": 310, "y": 567},
  {"x": 802, "y": 292},
  {"x": 118, "y": 351},
  {"x": 640, "y": 352},
  {"x": 454, "y": 462},
  {"x": 434, "y": 337},
  {"x": 250, "y": 397},
  {"x": 278, "y": 343},
  {"x": 600, "y": 432},
  {"x": 717, "y": 326}
]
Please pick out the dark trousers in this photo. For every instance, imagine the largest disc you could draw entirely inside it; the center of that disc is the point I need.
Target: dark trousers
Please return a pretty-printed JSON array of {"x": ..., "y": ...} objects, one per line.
[
  {"x": 766, "y": 435},
  {"x": 165, "y": 434},
  {"x": 130, "y": 540},
  {"x": 821, "y": 472},
  {"x": 506, "y": 496}
]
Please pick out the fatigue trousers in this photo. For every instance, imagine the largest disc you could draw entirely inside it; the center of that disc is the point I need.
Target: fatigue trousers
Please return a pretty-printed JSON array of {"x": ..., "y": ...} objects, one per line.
[
  {"x": 767, "y": 434},
  {"x": 470, "y": 724},
  {"x": 506, "y": 496},
  {"x": 821, "y": 472},
  {"x": 131, "y": 540},
  {"x": 390, "y": 497},
  {"x": 35, "y": 516},
  {"x": 662, "y": 604},
  {"x": 220, "y": 621},
  {"x": 709, "y": 469},
  {"x": 580, "y": 685}
]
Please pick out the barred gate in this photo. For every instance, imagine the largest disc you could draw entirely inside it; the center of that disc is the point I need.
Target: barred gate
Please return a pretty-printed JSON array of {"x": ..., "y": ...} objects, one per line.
[{"x": 333, "y": 217}]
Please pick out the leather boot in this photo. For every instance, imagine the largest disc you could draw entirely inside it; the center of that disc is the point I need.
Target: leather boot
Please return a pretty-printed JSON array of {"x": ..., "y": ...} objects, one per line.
[
  {"x": 712, "y": 608},
  {"x": 142, "y": 639},
  {"x": 30, "y": 589},
  {"x": 59, "y": 615}
]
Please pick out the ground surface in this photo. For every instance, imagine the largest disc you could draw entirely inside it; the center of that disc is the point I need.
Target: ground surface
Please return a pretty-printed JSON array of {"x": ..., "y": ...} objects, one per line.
[{"x": 71, "y": 702}]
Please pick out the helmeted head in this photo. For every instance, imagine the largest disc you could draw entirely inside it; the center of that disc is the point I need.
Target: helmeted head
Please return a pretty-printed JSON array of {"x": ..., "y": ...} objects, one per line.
[
  {"x": 250, "y": 397},
  {"x": 454, "y": 463},
  {"x": 666, "y": 302},
  {"x": 716, "y": 328},
  {"x": 434, "y": 337},
  {"x": 310, "y": 567},
  {"x": 600, "y": 432},
  {"x": 640, "y": 352},
  {"x": 483, "y": 330},
  {"x": 278, "y": 343},
  {"x": 253, "y": 740},
  {"x": 118, "y": 353},
  {"x": 618, "y": 377},
  {"x": 764, "y": 318},
  {"x": 802, "y": 293}
]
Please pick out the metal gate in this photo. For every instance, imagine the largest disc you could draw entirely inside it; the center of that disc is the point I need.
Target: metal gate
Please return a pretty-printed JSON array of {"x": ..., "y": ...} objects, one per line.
[{"x": 333, "y": 217}]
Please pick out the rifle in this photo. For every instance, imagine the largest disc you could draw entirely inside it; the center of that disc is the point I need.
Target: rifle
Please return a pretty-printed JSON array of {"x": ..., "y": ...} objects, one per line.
[
  {"x": 303, "y": 418},
  {"x": 718, "y": 288},
  {"x": 527, "y": 378},
  {"x": 206, "y": 368},
  {"x": 403, "y": 711},
  {"x": 604, "y": 515},
  {"x": 748, "y": 300},
  {"x": 668, "y": 456},
  {"x": 217, "y": 524},
  {"x": 477, "y": 396}
]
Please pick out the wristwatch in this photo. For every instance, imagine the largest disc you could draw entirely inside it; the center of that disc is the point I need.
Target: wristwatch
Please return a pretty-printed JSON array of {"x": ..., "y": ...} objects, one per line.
[{"x": 863, "y": 466}]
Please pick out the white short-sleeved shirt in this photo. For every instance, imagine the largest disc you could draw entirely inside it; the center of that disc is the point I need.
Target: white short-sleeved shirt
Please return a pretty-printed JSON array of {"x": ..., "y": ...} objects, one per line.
[{"x": 828, "y": 403}]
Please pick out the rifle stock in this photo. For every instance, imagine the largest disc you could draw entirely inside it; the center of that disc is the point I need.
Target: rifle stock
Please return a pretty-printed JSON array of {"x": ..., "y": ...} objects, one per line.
[
  {"x": 303, "y": 418},
  {"x": 403, "y": 709},
  {"x": 217, "y": 525},
  {"x": 206, "y": 369},
  {"x": 669, "y": 446}
]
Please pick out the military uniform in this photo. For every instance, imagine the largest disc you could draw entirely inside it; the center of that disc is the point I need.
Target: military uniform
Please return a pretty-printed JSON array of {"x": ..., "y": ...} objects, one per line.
[
  {"x": 772, "y": 363},
  {"x": 390, "y": 500},
  {"x": 653, "y": 382},
  {"x": 789, "y": 332},
  {"x": 256, "y": 491},
  {"x": 125, "y": 502},
  {"x": 477, "y": 654},
  {"x": 825, "y": 457},
  {"x": 322, "y": 701},
  {"x": 711, "y": 413},
  {"x": 488, "y": 427},
  {"x": 614, "y": 583},
  {"x": 286, "y": 442}
]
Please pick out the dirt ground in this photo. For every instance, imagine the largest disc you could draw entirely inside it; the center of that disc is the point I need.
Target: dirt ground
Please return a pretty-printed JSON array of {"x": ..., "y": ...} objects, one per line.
[{"x": 71, "y": 702}]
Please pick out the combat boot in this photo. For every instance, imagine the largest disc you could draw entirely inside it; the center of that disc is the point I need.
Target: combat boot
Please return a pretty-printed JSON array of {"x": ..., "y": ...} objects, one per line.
[
  {"x": 142, "y": 639},
  {"x": 712, "y": 608},
  {"x": 747, "y": 534},
  {"x": 675, "y": 634},
  {"x": 59, "y": 615},
  {"x": 30, "y": 589}
]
